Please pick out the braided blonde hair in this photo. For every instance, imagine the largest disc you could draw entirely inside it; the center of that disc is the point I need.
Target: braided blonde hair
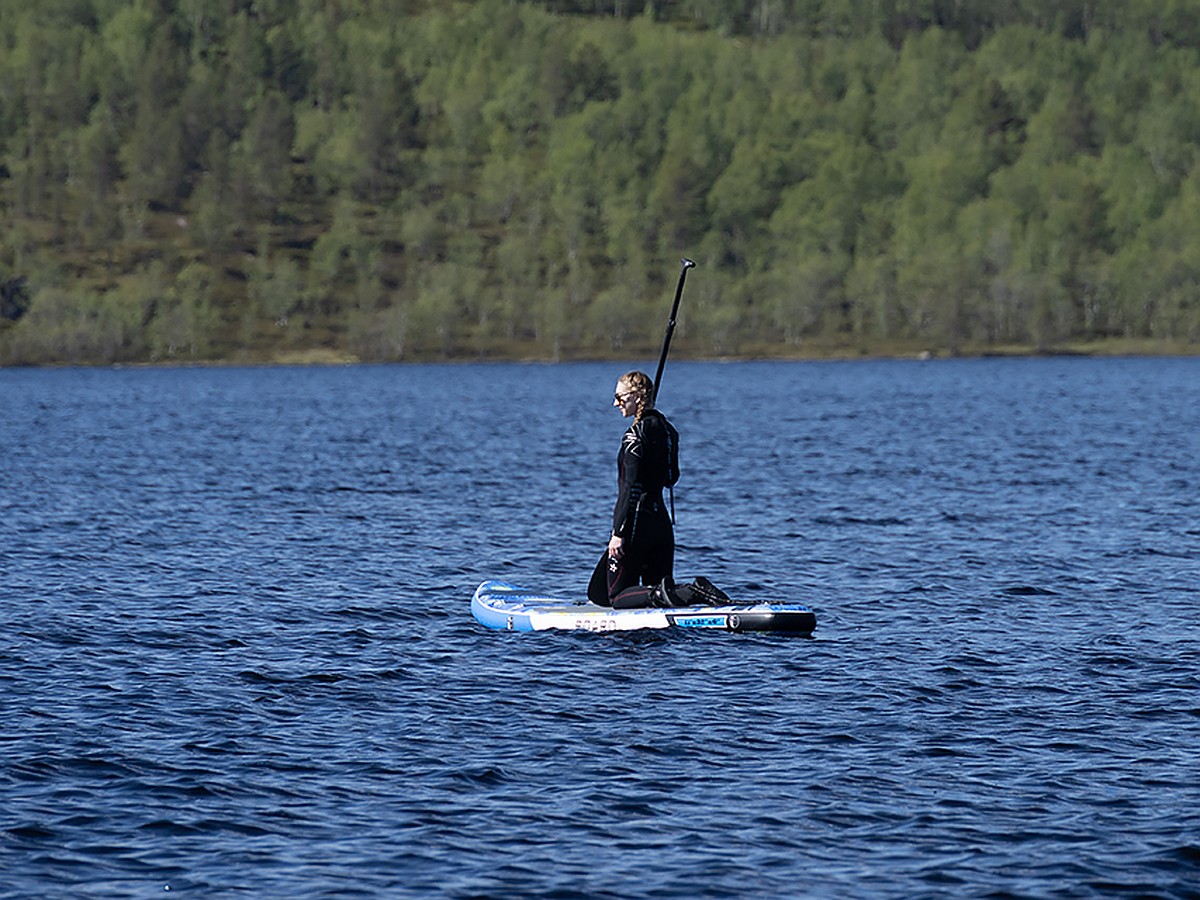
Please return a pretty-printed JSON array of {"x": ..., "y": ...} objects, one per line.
[{"x": 642, "y": 386}]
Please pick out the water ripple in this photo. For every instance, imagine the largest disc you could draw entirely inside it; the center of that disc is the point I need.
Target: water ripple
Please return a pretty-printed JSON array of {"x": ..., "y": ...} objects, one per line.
[{"x": 236, "y": 655}]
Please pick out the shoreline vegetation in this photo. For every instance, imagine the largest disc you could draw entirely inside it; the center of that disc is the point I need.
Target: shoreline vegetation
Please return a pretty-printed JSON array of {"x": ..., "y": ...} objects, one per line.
[
  {"x": 318, "y": 357},
  {"x": 304, "y": 182}
]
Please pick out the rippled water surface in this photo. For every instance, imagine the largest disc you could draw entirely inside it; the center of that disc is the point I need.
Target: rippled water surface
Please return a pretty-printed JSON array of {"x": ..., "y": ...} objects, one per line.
[{"x": 237, "y": 656}]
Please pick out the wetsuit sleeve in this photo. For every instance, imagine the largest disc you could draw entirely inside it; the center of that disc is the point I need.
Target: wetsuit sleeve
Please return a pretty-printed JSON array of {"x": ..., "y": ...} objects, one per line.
[{"x": 629, "y": 486}]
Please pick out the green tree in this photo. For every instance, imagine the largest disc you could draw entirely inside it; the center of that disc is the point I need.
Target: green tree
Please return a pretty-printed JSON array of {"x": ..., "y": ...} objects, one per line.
[
  {"x": 95, "y": 173},
  {"x": 153, "y": 154},
  {"x": 264, "y": 155},
  {"x": 1159, "y": 273},
  {"x": 185, "y": 320},
  {"x": 276, "y": 284}
]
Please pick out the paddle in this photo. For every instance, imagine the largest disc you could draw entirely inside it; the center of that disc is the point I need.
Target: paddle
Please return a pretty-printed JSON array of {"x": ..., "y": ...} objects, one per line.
[{"x": 662, "y": 360}]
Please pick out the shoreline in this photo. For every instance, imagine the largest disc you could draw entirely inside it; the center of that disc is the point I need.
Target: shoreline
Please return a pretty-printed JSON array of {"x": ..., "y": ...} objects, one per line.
[{"x": 326, "y": 357}]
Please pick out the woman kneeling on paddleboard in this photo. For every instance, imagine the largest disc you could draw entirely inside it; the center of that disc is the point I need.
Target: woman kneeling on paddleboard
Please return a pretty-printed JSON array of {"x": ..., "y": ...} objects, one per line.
[{"x": 636, "y": 568}]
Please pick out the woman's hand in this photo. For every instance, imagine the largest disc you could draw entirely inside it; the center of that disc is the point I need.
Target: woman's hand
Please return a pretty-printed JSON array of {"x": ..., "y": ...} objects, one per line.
[{"x": 616, "y": 547}]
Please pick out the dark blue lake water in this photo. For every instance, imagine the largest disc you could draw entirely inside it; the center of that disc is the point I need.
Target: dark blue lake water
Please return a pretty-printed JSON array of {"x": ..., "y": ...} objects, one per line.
[{"x": 237, "y": 656}]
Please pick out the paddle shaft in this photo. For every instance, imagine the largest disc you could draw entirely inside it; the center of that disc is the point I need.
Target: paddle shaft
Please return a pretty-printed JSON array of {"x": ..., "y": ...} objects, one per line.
[{"x": 686, "y": 264}]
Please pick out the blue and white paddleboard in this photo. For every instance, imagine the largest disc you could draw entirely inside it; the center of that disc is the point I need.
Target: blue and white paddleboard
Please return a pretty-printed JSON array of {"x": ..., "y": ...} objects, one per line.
[{"x": 506, "y": 607}]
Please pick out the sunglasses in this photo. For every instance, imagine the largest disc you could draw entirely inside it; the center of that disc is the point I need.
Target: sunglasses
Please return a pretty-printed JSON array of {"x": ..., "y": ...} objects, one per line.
[{"x": 621, "y": 398}]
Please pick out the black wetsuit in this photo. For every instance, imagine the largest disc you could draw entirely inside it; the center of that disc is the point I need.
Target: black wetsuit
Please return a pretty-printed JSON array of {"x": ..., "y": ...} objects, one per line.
[{"x": 646, "y": 464}]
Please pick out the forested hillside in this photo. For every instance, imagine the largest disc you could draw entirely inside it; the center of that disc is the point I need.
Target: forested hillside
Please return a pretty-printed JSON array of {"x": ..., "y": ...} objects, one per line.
[{"x": 260, "y": 179}]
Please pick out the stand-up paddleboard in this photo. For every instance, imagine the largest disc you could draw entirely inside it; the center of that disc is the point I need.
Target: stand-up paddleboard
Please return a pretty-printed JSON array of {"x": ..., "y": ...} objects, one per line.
[{"x": 506, "y": 607}]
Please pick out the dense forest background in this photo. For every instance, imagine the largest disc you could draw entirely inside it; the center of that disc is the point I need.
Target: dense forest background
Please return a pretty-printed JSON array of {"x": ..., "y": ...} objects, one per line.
[{"x": 266, "y": 179}]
